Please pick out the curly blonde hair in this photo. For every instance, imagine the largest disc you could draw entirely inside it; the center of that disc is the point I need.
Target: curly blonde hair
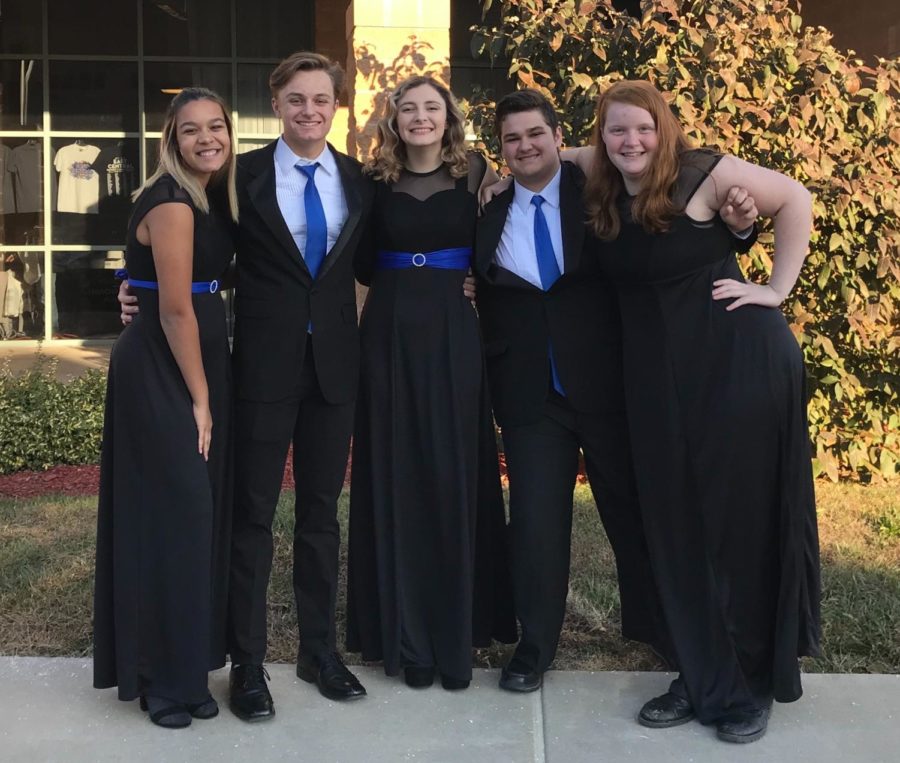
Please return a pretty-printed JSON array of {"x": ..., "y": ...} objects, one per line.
[
  {"x": 389, "y": 155},
  {"x": 654, "y": 206}
]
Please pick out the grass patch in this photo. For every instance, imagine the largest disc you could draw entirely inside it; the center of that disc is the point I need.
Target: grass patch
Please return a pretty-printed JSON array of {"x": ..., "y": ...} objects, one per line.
[{"x": 47, "y": 558}]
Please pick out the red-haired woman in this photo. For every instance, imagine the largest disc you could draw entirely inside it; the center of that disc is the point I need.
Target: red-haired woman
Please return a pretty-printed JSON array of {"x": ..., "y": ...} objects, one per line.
[{"x": 717, "y": 410}]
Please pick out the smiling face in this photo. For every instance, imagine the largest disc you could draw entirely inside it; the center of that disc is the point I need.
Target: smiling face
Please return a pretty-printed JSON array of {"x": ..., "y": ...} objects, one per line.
[
  {"x": 530, "y": 148},
  {"x": 306, "y": 106},
  {"x": 421, "y": 117},
  {"x": 629, "y": 134},
  {"x": 202, "y": 135}
]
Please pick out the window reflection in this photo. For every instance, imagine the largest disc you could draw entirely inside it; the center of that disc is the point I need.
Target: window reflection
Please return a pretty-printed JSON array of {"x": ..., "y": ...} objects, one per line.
[
  {"x": 93, "y": 95},
  {"x": 84, "y": 294},
  {"x": 20, "y": 27},
  {"x": 273, "y": 29},
  {"x": 92, "y": 27},
  {"x": 21, "y": 94},
  {"x": 21, "y": 295},
  {"x": 187, "y": 28}
]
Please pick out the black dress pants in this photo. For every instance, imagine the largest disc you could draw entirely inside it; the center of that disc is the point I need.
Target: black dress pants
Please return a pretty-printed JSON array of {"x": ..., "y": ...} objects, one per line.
[
  {"x": 320, "y": 433},
  {"x": 542, "y": 463}
]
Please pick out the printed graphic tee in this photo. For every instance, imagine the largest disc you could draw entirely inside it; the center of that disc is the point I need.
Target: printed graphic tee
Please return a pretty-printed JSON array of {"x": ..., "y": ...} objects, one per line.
[{"x": 79, "y": 183}]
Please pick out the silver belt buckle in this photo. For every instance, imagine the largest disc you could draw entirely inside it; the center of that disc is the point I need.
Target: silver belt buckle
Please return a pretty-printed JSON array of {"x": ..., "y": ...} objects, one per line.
[{"x": 419, "y": 263}]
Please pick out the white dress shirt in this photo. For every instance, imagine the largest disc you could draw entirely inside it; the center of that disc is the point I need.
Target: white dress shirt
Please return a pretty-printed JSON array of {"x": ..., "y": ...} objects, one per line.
[
  {"x": 516, "y": 250},
  {"x": 290, "y": 184}
]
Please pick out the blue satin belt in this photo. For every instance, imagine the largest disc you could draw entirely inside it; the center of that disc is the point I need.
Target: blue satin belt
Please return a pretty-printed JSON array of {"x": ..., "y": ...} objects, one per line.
[
  {"x": 198, "y": 287},
  {"x": 444, "y": 259}
]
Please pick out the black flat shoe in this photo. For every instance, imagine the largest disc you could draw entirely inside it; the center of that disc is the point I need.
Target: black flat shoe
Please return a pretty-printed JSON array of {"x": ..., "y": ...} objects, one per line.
[
  {"x": 453, "y": 684},
  {"x": 204, "y": 710},
  {"x": 329, "y": 673},
  {"x": 248, "y": 697},
  {"x": 418, "y": 677},
  {"x": 665, "y": 711},
  {"x": 742, "y": 728},
  {"x": 166, "y": 712}
]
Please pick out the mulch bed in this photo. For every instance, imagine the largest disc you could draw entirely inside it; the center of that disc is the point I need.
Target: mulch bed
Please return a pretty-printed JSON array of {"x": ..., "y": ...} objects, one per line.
[{"x": 83, "y": 480}]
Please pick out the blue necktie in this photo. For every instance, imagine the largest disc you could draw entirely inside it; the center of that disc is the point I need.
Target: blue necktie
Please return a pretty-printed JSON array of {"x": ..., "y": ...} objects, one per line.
[
  {"x": 316, "y": 226},
  {"x": 548, "y": 269}
]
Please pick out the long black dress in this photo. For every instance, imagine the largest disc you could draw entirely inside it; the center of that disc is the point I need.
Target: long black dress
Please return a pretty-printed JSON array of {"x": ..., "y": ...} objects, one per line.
[
  {"x": 427, "y": 569},
  {"x": 164, "y": 516},
  {"x": 716, "y": 404}
]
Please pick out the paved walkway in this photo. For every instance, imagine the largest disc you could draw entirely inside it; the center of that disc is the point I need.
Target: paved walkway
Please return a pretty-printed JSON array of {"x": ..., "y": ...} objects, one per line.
[
  {"x": 72, "y": 361},
  {"x": 49, "y": 712}
]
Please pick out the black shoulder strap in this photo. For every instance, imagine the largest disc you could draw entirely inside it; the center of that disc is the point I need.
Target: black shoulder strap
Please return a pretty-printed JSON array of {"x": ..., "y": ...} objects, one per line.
[{"x": 693, "y": 168}]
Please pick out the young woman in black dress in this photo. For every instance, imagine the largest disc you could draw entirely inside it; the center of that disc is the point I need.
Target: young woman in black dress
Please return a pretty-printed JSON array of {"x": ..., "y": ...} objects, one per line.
[
  {"x": 164, "y": 511},
  {"x": 427, "y": 575},
  {"x": 716, "y": 405}
]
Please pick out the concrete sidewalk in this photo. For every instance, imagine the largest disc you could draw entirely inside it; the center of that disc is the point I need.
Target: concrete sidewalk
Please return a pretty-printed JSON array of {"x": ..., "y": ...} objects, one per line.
[
  {"x": 71, "y": 361},
  {"x": 49, "y": 712}
]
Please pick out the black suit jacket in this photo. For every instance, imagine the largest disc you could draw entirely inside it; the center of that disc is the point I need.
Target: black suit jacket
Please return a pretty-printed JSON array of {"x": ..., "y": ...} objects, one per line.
[
  {"x": 578, "y": 314},
  {"x": 277, "y": 298}
]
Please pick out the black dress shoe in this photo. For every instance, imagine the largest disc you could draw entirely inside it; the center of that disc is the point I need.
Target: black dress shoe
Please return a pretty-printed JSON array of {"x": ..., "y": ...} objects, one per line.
[
  {"x": 329, "y": 673},
  {"x": 517, "y": 676},
  {"x": 665, "y": 711},
  {"x": 418, "y": 677},
  {"x": 743, "y": 727},
  {"x": 249, "y": 697}
]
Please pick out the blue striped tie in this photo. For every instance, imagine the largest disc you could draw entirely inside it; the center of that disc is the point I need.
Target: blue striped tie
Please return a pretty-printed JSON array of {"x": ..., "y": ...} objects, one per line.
[
  {"x": 316, "y": 226},
  {"x": 548, "y": 269}
]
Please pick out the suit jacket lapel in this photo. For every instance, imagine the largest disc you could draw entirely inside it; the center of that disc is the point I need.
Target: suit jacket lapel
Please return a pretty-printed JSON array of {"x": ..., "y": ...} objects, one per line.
[
  {"x": 571, "y": 218},
  {"x": 350, "y": 181},
  {"x": 489, "y": 229},
  {"x": 261, "y": 190}
]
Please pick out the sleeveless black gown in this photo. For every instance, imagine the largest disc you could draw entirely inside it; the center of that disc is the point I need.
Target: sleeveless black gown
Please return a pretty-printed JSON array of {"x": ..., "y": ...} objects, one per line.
[
  {"x": 427, "y": 570},
  {"x": 716, "y": 405},
  {"x": 164, "y": 518}
]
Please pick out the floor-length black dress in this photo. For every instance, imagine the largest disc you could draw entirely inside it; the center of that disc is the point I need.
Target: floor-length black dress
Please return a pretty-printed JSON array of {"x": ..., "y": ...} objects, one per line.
[
  {"x": 716, "y": 404},
  {"x": 164, "y": 514},
  {"x": 427, "y": 569}
]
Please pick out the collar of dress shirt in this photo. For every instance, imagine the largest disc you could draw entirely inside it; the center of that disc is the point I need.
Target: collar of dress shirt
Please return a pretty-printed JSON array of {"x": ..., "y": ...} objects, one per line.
[
  {"x": 550, "y": 192},
  {"x": 286, "y": 159}
]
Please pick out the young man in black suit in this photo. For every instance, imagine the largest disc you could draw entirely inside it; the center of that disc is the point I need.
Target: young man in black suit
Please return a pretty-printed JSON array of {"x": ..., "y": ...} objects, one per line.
[
  {"x": 303, "y": 207},
  {"x": 551, "y": 328}
]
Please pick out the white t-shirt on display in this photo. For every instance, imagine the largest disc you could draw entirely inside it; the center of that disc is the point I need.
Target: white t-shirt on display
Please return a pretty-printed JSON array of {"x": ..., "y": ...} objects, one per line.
[{"x": 79, "y": 183}]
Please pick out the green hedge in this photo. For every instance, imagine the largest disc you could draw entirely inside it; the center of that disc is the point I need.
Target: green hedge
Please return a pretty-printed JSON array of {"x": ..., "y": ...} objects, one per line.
[{"x": 44, "y": 421}]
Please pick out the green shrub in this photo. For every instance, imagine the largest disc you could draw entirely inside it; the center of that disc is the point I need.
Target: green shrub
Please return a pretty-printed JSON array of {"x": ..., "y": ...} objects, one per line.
[
  {"x": 746, "y": 76},
  {"x": 44, "y": 421}
]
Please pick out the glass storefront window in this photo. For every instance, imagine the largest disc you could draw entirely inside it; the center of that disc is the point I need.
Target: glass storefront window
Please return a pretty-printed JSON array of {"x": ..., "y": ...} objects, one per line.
[
  {"x": 21, "y": 191},
  {"x": 84, "y": 294},
  {"x": 21, "y": 95},
  {"x": 92, "y": 27},
  {"x": 20, "y": 27},
  {"x": 254, "y": 101},
  {"x": 21, "y": 295},
  {"x": 273, "y": 29},
  {"x": 162, "y": 80},
  {"x": 95, "y": 178},
  {"x": 94, "y": 95},
  {"x": 187, "y": 28}
]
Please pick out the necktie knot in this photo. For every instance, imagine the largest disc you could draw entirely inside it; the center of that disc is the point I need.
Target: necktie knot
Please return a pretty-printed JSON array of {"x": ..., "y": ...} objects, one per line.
[
  {"x": 308, "y": 169},
  {"x": 537, "y": 200}
]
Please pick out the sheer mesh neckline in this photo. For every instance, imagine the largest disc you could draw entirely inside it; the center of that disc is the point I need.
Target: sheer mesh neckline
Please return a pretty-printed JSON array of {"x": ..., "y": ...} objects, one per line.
[{"x": 423, "y": 185}]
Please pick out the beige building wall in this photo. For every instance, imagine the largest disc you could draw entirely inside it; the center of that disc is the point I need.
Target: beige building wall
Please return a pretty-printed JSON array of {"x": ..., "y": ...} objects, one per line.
[{"x": 387, "y": 42}]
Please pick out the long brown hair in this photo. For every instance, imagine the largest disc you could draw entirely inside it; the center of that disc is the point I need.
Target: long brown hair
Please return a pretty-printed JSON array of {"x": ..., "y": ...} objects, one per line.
[
  {"x": 653, "y": 207},
  {"x": 389, "y": 154},
  {"x": 171, "y": 162}
]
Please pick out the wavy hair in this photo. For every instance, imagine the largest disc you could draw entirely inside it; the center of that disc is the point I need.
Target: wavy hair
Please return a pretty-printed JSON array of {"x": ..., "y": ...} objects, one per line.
[
  {"x": 389, "y": 155},
  {"x": 172, "y": 163},
  {"x": 654, "y": 206}
]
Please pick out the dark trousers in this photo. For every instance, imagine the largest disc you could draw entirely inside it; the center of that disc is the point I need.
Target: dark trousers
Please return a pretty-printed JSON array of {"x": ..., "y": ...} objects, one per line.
[
  {"x": 320, "y": 433},
  {"x": 542, "y": 463}
]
